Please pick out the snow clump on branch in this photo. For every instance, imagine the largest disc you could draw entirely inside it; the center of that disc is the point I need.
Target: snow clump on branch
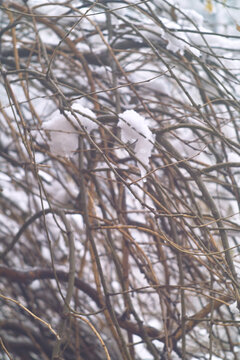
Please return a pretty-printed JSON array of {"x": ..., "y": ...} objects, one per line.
[
  {"x": 135, "y": 130},
  {"x": 63, "y": 131}
]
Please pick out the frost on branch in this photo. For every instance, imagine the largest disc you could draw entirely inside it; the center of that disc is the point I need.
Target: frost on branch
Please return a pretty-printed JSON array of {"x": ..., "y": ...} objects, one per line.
[
  {"x": 135, "y": 130},
  {"x": 63, "y": 131}
]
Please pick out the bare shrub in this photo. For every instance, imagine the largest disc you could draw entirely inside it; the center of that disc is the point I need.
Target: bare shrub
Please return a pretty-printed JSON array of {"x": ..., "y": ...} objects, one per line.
[{"x": 118, "y": 245}]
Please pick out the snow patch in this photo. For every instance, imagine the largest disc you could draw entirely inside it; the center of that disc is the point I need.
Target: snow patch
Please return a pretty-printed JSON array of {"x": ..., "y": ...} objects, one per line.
[
  {"x": 234, "y": 308},
  {"x": 135, "y": 130},
  {"x": 85, "y": 117},
  {"x": 62, "y": 135},
  {"x": 63, "y": 131}
]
